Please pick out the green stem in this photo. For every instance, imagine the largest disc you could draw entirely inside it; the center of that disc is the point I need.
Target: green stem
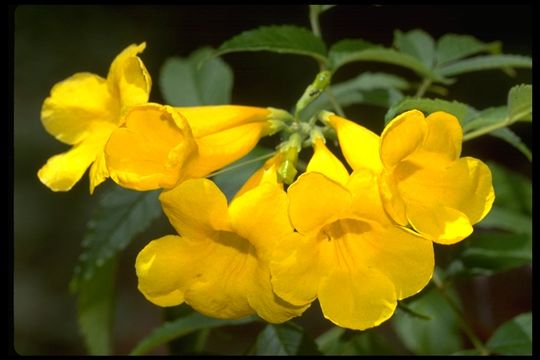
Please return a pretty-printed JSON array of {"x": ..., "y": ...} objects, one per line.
[
  {"x": 487, "y": 129},
  {"x": 334, "y": 102},
  {"x": 314, "y": 20},
  {"x": 423, "y": 88},
  {"x": 467, "y": 328},
  {"x": 247, "y": 162}
]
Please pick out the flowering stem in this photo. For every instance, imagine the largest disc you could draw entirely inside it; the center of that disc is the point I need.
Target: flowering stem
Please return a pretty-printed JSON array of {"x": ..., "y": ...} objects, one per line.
[
  {"x": 314, "y": 20},
  {"x": 467, "y": 328},
  {"x": 244, "y": 163},
  {"x": 334, "y": 102},
  {"x": 423, "y": 87}
]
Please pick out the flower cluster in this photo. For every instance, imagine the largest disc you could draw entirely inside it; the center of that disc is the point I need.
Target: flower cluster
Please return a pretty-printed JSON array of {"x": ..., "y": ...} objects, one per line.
[{"x": 357, "y": 240}]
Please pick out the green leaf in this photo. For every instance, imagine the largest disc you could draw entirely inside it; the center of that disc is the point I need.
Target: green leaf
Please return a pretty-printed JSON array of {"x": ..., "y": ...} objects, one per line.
[
  {"x": 285, "y": 39},
  {"x": 95, "y": 308},
  {"x": 488, "y": 253},
  {"x": 513, "y": 191},
  {"x": 485, "y": 62},
  {"x": 486, "y": 118},
  {"x": 192, "y": 82},
  {"x": 378, "y": 89},
  {"x": 514, "y": 337},
  {"x": 510, "y": 137},
  {"x": 520, "y": 103},
  {"x": 418, "y": 44},
  {"x": 232, "y": 178},
  {"x": 348, "y": 50},
  {"x": 462, "y": 111},
  {"x": 285, "y": 339},
  {"x": 180, "y": 327},
  {"x": 121, "y": 215},
  {"x": 452, "y": 47},
  {"x": 505, "y": 219},
  {"x": 339, "y": 341},
  {"x": 440, "y": 335}
]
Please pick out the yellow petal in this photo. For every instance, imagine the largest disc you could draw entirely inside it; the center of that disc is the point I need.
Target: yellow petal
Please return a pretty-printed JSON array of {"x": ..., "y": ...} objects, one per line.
[
  {"x": 391, "y": 250},
  {"x": 196, "y": 208},
  {"x": 208, "y": 120},
  {"x": 315, "y": 200},
  {"x": 359, "y": 145},
  {"x": 391, "y": 198},
  {"x": 402, "y": 136},
  {"x": 220, "y": 149},
  {"x": 267, "y": 305},
  {"x": 366, "y": 200},
  {"x": 152, "y": 149},
  {"x": 444, "y": 135},
  {"x": 267, "y": 172},
  {"x": 63, "y": 171},
  {"x": 326, "y": 163},
  {"x": 464, "y": 185},
  {"x": 128, "y": 78},
  {"x": 260, "y": 215},
  {"x": 98, "y": 171},
  {"x": 166, "y": 267},
  {"x": 441, "y": 224},
  {"x": 78, "y": 107},
  {"x": 357, "y": 298},
  {"x": 294, "y": 268},
  {"x": 227, "y": 277}
]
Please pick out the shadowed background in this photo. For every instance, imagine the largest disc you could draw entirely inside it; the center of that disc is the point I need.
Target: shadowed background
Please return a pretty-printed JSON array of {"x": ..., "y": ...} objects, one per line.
[{"x": 52, "y": 43}]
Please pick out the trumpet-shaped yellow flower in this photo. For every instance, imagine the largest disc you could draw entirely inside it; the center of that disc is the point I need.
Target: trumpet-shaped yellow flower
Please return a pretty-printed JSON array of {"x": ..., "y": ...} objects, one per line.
[
  {"x": 219, "y": 264},
  {"x": 423, "y": 181},
  {"x": 83, "y": 111},
  {"x": 160, "y": 146},
  {"x": 349, "y": 255}
]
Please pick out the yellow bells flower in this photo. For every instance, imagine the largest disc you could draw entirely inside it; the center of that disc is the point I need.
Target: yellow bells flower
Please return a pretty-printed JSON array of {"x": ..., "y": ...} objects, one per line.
[
  {"x": 160, "y": 146},
  {"x": 349, "y": 255},
  {"x": 219, "y": 264},
  {"x": 423, "y": 181},
  {"x": 83, "y": 111}
]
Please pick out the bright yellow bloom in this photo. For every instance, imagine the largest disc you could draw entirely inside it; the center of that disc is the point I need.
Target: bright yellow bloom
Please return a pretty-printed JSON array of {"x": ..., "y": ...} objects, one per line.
[
  {"x": 219, "y": 264},
  {"x": 83, "y": 111},
  {"x": 423, "y": 181},
  {"x": 160, "y": 146},
  {"x": 350, "y": 255}
]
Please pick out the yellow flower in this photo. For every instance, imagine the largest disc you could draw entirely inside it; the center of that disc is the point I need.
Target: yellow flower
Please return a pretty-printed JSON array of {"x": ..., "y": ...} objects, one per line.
[
  {"x": 83, "y": 111},
  {"x": 423, "y": 181},
  {"x": 219, "y": 264},
  {"x": 349, "y": 255},
  {"x": 160, "y": 146}
]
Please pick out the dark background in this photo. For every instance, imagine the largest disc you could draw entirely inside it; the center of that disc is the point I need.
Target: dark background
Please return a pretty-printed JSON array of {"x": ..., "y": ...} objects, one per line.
[{"x": 52, "y": 43}]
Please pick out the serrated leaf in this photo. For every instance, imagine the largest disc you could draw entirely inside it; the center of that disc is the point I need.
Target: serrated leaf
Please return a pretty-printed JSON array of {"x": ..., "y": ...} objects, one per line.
[
  {"x": 485, "y": 62},
  {"x": 378, "y": 89},
  {"x": 485, "y": 118},
  {"x": 230, "y": 181},
  {"x": 513, "y": 191},
  {"x": 520, "y": 103},
  {"x": 350, "y": 50},
  {"x": 339, "y": 341},
  {"x": 418, "y": 44},
  {"x": 488, "y": 253},
  {"x": 510, "y": 137},
  {"x": 121, "y": 215},
  {"x": 285, "y": 39},
  {"x": 95, "y": 309},
  {"x": 452, "y": 47},
  {"x": 462, "y": 111},
  {"x": 180, "y": 327},
  {"x": 440, "y": 335},
  {"x": 514, "y": 337},
  {"x": 197, "y": 80},
  {"x": 285, "y": 339}
]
